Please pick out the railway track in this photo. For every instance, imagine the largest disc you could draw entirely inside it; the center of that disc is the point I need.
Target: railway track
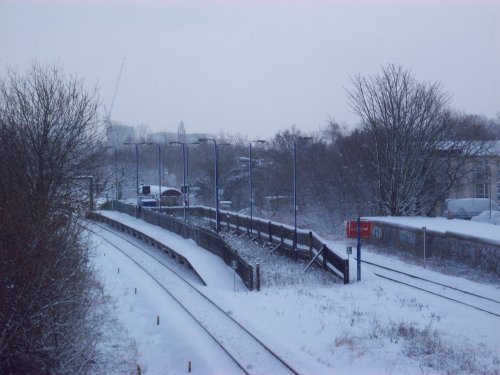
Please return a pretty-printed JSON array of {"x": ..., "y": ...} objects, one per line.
[
  {"x": 247, "y": 351},
  {"x": 473, "y": 300}
]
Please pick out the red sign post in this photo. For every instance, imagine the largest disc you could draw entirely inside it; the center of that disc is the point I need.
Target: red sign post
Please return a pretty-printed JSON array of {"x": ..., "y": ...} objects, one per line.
[
  {"x": 359, "y": 229},
  {"x": 365, "y": 229}
]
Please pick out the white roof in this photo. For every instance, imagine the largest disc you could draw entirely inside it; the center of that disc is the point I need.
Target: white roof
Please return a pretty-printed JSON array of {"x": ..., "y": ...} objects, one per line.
[{"x": 154, "y": 189}]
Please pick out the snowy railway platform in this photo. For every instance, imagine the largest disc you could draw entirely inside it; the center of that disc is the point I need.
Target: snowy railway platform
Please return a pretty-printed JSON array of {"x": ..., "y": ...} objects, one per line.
[
  {"x": 209, "y": 267},
  {"x": 370, "y": 327}
]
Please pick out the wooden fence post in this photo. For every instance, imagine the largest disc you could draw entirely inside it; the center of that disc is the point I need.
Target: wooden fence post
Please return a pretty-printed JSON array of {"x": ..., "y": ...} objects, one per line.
[
  {"x": 282, "y": 238},
  {"x": 310, "y": 243},
  {"x": 346, "y": 271},
  {"x": 269, "y": 226},
  {"x": 258, "y": 276}
]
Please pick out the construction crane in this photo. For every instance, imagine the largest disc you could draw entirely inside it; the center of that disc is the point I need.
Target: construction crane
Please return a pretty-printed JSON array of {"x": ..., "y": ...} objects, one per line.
[{"x": 114, "y": 93}]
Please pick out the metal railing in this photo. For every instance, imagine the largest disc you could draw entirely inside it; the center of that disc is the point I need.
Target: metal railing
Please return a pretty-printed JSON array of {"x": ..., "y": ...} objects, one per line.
[{"x": 308, "y": 243}]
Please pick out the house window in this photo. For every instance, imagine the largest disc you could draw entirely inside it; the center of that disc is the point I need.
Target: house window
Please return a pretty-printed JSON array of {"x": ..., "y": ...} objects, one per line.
[
  {"x": 481, "y": 191},
  {"x": 480, "y": 170}
]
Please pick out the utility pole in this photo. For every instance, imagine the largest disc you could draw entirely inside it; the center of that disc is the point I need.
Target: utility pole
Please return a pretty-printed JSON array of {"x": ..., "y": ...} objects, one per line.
[{"x": 250, "y": 179}]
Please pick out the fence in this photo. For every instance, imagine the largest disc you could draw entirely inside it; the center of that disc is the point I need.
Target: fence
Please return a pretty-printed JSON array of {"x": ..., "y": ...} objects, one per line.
[
  {"x": 304, "y": 243},
  {"x": 205, "y": 238},
  {"x": 307, "y": 245},
  {"x": 475, "y": 252}
]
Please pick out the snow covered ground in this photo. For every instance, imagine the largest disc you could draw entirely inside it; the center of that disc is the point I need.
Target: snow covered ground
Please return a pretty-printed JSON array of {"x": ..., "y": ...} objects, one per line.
[
  {"x": 368, "y": 327},
  {"x": 164, "y": 348}
]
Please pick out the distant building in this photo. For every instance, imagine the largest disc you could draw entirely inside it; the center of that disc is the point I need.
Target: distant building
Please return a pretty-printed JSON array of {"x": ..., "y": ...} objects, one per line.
[
  {"x": 161, "y": 137},
  {"x": 117, "y": 134},
  {"x": 484, "y": 179}
]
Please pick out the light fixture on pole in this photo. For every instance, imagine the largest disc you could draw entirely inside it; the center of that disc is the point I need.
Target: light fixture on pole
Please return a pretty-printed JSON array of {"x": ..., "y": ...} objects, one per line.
[
  {"x": 488, "y": 170},
  {"x": 216, "y": 172},
  {"x": 136, "y": 163},
  {"x": 250, "y": 179},
  {"x": 164, "y": 179},
  {"x": 159, "y": 172},
  {"x": 184, "y": 170},
  {"x": 116, "y": 179},
  {"x": 187, "y": 170},
  {"x": 295, "y": 186}
]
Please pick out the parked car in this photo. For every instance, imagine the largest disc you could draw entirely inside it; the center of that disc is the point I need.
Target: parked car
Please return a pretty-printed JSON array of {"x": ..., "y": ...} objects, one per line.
[
  {"x": 484, "y": 217},
  {"x": 146, "y": 202},
  {"x": 466, "y": 208}
]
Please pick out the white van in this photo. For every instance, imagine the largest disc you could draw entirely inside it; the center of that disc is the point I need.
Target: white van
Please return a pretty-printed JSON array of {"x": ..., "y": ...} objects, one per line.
[{"x": 465, "y": 208}]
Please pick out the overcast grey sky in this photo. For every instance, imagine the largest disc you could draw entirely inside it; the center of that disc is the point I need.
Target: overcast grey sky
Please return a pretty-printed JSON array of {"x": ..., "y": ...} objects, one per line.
[{"x": 255, "y": 67}]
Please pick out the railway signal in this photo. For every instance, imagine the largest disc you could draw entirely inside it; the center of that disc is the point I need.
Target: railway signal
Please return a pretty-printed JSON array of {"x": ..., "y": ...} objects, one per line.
[{"x": 359, "y": 229}]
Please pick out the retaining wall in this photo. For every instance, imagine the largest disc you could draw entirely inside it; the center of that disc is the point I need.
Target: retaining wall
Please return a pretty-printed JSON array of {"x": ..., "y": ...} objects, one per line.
[{"x": 472, "y": 251}]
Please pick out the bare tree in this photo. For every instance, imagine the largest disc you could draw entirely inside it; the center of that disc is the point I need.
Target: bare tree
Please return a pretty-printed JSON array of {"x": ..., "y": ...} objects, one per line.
[
  {"x": 141, "y": 133},
  {"x": 406, "y": 122},
  {"x": 181, "y": 132},
  {"x": 471, "y": 127},
  {"x": 49, "y": 130},
  {"x": 353, "y": 179}
]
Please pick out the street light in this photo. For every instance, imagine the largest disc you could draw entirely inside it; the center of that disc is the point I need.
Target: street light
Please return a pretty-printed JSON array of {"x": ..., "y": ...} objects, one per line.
[
  {"x": 295, "y": 185},
  {"x": 216, "y": 172},
  {"x": 136, "y": 163},
  {"x": 187, "y": 169},
  {"x": 488, "y": 171},
  {"x": 185, "y": 160},
  {"x": 116, "y": 179},
  {"x": 250, "y": 179},
  {"x": 159, "y": 172}
]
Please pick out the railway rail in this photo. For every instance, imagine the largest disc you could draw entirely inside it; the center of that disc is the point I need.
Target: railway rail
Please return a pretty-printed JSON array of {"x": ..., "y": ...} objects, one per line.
[
  {"x": 247, "y": 351},
  {"x": 473, "y": 300}
]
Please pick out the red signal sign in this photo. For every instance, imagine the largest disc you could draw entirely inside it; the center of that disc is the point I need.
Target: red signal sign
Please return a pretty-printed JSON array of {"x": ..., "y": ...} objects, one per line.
[{"x": 365, "y": 229}]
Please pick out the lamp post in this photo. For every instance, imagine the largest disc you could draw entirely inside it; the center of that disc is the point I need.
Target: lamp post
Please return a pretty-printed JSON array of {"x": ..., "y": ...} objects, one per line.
[
  {"x": 250, "y": 179},
  {"x": 295, "y": 186},
  {"x": 184, "y": 171},
  {"x": 187, "y": 169},
  {"x": 164, "y": 164},
  {"x": 116, "y": 179},
  {"x": 159, "y": 172},
  {"x": 216, "y": 172},
  {"x": 136, "y": 163},
  {"x": 488, "y": 170}
]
